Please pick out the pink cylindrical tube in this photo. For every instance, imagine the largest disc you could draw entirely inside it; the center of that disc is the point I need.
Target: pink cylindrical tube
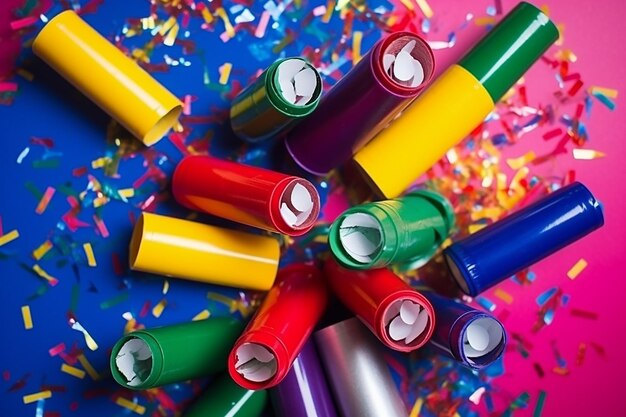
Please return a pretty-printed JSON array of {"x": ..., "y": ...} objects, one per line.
[
  {"x": 363, "y": 103},
  {"x": 402, "y": 318},
  {"x": 264, "y": 353},
  {"x": 249, "y": 195}
]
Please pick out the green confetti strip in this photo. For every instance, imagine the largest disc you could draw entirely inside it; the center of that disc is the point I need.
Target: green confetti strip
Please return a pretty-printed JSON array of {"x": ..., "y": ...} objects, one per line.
[{"x": 540, "y": 402}]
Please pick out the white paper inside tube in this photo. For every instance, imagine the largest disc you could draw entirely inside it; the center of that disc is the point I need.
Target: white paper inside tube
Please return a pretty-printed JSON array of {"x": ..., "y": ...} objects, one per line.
[
  {"x": 255, "y": 362},
  {"x": 481, "y": 337},
  {"x": 133, "y": 359},
  {"x": 297, "y": 82},
  {"x": 405, "y": 320},
  {"x": 299, "y": 208},
  {"x": 360, "y": 236},
  {"x": 403, "y": 68}
]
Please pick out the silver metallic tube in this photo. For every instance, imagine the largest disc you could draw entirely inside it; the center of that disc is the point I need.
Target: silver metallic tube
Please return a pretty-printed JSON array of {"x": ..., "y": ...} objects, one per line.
[{"x": 358, "y": 374}]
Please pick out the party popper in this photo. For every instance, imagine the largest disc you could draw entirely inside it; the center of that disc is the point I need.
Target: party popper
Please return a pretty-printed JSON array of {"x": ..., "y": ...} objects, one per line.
[
  {"x": 398, "y": 315},
  {"x": 286, "y": 91},
  {"x": 406, "y": 231},
  {"x": 262, "y": 356},
  {"x": 224, "y": 398},
  {"x": 304, "y": 392},
  {"x": 113, "y": 81},
  {"x": 250, "y": 195},
  {"x": 497, "y": 251},
  {"x": 149, "y": 358},
  {"x": 362, "y": 103},
  {"x": 456, "y": 102},
  {"x": 470, "y": 336},
  {"x": 184, "y": 249},
  {"x": 357, "y": 371}
]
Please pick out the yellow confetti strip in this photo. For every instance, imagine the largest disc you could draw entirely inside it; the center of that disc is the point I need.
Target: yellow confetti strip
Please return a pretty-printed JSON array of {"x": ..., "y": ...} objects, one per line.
[
  {"x": 43, "y": 274},
  {"x": 577, "y": 269},
  {"x": 169, "y": 23},
  {"x": 225, "y": 73},
  {"x": 157, "y": 310},
  {"x": 561, "y": 28},
  {"x": 42, "y": 250},
  {"x": 230, "y": 31},
  {"x": 321, "y": 239},
  {"x": 408, "y": 4},
  {"x": 517, "y": 163},
  {"x": 91, "y": 259},
  {"x": 100, "y": 162},
  {"x": 587, "y": 154},
  {"x": 11, "y": 236},
  {"x": 31, "y": 398},
  {"x": 78, "y": 373},
  {"x": 560, "y": 371},
  {"x": 417, "y": 407},
  {"x": 28, "y": 320},
  {"x": 100, "y": 201},
  {"x": 356, "y": 47},
  {"x": 90, "y": 370},
  {"x": 206, "y": 15},
  {"x": 503, "y": 295},
  {"x": 123, "y": 402},
  {"x": 607, "y": 92},
  {"x": 204, "y": 314},
  {"x": 425, "y": 8},
  {"x": 170, "y": 38},
  {"x": 232, "y": 305},
  {"x": 484, "y": 21},
  {"x": 488, "y": 213},
  {"x": 126, "y": 192}
]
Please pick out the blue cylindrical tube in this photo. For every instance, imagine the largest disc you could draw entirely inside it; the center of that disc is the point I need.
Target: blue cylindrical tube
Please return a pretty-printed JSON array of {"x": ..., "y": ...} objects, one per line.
[
  {"x": 502, "y": 249},
  {"x": 470, "y": 336}
]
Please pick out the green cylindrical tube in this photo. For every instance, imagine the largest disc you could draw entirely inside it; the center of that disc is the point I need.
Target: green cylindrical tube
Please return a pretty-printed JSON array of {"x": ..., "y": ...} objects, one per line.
[
  {"x": 224, "y": 398},
  {"x": 406, "y": 231},
  {"x": 506, "y": 53},
  {"x": 286, "y": 91},
  {"x": 150, "y": 358}
]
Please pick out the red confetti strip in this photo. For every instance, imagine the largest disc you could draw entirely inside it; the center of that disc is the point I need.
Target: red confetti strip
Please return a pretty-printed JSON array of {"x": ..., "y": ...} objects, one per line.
[
  {"x": 45, "y": 200},
  {"x": 53, "y": 351},
  {"x": 538, "y": 369},
  {"x": 583, "y": 314},
  {"x": 553, "y": 133},
  {"x": 575, "y": 88}
]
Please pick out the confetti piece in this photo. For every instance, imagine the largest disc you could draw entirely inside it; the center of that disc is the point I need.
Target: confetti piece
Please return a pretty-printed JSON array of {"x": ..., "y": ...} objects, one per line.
[
  {"x": 503, "y": 295},
  {"x": 583, "y": 314},
  {"x": 91, "y": 259},
  {"x": 607, "y": 92},
  {"x": 408, "y": 4},
  {"x": 9, "y": 237},
  {"x": 102, "y": 228},
  {"x": 22, "y": 155},
  {"x": 580, "y": 355},
  {"x": 538, "y": 369},
  {"x": 260, "y": 29},
  {"x": 553, "y": 134},
  {"x": 91, "y": 343},
  {"x": 166, "y": 287},
  {"x": 225, "y": 73},
  {"x": 158, "y": 309},
  {"x": 486, "y": 303},
  {"x": 227, "y": 25},
  {"x": 26, "y": 317},
  {"x": 330, "y": 6},
  {"x": 123, "y": 402},
  {"x": 114, "y": 301},
  {"x": 43, "y": 274},
  {"x": 575, "y": 88},
  {"x": 90, "y": 370},
  {"x": 204, "y": 314},
  {"x": 41, "y": 251},
  {"x": 540, "y": 402},
  {"x": 610, "y": 104},
  {"x": 31, "y": 398},
  {"x": 578, "y": 267},
  {"x": 425, "y": 8},
  {"x": 586, "y": 154},
  {"x": 473, "y": 228},
  {"x": 68, "y": 369},
  {"x": 357, "y": 36},
  {"x": 560, "y": 371},
  {"x": 55, "y": 350},
  {"x": 417, "y": 407},
  {"x": 485, "y": 21},
  {"x": 170, "y": 38}
]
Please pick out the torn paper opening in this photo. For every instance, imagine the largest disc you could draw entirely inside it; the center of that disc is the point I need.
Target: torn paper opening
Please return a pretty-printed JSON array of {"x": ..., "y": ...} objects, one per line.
[
  {"x": 456, "y": 273},
  {"x": 405, "y": 321},
  {"x": 297, "y": 81},
  {"x": 297, "y": 204},
  {"x": 255, "y": 362},
  {"x": 401, "y": 63},
  {"x": 482, "y": 336},
  {"x": 360, "y": 236},
  {"x": 134, "y": 361}
]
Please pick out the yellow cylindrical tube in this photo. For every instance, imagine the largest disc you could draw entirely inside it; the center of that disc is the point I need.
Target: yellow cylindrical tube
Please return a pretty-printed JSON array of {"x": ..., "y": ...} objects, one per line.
[
  {"x": 183, "y": 249},
  {"x": 444, "y": 114},
  {"x": 108, "y": 77}
]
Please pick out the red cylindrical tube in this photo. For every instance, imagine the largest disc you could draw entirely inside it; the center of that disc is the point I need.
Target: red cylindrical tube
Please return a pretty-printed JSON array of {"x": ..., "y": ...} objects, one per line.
[
  {"x": 250, "y": 195},
  {"x": 265, "y": 351},
  {"x": 402, "y": 318}
]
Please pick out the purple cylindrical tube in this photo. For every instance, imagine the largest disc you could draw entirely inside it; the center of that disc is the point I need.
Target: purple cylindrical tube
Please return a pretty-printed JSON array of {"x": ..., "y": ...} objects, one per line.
[
  {"x": 304, "y": 391},
  {"x": 362, "y": 103}
]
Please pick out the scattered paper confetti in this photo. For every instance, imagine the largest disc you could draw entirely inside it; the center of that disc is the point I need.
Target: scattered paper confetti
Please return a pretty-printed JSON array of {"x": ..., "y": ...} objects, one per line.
[
  {"x": 90, "y": 370},
  {"x": 91, "y": 343},
  {"x": 123, "y": 402},
  {"x": 68, "y": 369},
  {"x": 41, "y": 251},
  {"x": 540, "y": 403},
  {"x": 587, "y": 154},
  {"x": 578, "y": 267},
  {"x": 43, "y": 274},
  {"x": 576, "y": 312},
  {"x": 91, "y": 259},
  {"x": 27, "y": 318},
  {"x": 204, "y": 314},
  {"x": 31, "y": 398},
  {"x": 503, "y": 295},
  {"x": 158, "y": 309},
  {"x": 9, "y": 237},
  {"x": 225, "y": 73}
]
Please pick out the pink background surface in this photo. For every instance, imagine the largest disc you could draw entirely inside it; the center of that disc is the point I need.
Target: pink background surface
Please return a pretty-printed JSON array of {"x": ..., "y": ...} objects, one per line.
[{"x": 593, "y": 30}]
